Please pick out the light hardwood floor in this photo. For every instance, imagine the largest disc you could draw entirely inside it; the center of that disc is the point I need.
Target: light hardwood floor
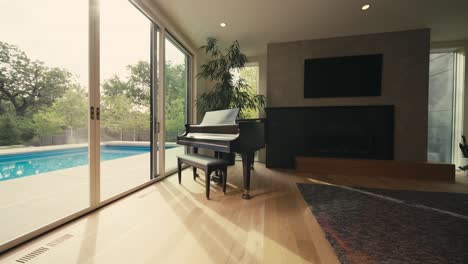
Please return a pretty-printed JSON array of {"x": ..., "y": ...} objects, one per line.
[{"x": 171, "y": 223}]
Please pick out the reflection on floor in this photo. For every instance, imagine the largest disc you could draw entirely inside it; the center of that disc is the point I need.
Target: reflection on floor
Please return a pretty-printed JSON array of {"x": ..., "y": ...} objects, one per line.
[{"x": 171, "y": 223}]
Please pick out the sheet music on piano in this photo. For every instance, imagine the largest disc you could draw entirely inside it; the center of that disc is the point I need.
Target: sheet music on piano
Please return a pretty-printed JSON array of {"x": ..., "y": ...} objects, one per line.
[{"x": 220, "y": 117}]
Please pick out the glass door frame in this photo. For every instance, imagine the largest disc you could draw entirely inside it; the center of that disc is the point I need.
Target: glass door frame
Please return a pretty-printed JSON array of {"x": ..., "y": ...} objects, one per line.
[
  {"x": 459, "y": 105},
  {"x": 188, "y": 89},
  {"x": 154, "y": 110}
]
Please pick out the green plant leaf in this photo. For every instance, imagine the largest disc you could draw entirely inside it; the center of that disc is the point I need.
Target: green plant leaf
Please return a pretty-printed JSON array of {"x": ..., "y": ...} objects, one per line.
[{"x": 226, "y": 92}]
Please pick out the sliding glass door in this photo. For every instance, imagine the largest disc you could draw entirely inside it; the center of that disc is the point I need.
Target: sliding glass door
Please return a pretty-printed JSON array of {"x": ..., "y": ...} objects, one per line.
[
  {"x": 91, "y": 94},
  {"x": 125, "y": 121},
  {"x": 177, "y": 74},
  {"x": 44, "y": 166}
]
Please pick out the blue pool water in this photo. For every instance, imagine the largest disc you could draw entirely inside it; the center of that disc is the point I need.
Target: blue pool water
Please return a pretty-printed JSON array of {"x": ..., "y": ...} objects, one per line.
[{"x": 26, "y": 164}]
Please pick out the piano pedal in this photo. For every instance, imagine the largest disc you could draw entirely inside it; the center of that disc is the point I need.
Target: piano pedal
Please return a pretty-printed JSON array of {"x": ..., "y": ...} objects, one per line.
[{"x": 217, "y": 179}]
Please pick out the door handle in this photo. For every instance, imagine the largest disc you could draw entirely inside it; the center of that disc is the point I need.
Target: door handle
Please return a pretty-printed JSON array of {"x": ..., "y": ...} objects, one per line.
[{"x": 157, "y": 127}]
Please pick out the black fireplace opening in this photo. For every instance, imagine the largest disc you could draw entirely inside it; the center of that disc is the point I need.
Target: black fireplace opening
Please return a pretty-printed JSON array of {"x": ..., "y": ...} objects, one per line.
[
  {"x": 357, "y": 132},
  {"x": 361, "y": 132},
  {"x": 344, "y": 143}
]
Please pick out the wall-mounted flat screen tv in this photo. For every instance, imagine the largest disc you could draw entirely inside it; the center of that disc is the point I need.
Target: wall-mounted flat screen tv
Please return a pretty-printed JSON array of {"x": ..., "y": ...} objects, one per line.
[{"x": 350, "y": 76}]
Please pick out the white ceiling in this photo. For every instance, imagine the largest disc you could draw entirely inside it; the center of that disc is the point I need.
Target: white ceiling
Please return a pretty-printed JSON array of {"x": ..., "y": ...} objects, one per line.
[{"x": 254, "y": 23}]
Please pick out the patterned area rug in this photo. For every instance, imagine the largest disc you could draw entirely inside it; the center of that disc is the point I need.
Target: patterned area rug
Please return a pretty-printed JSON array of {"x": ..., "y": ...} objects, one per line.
[{"x": 389, "y": 226}]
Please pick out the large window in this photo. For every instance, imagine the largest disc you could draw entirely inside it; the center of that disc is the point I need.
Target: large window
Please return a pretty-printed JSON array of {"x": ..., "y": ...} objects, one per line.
[
  {"x": 250, "y": 75},
  {"x": 80, "y": 108},
  {"x": 445, "y": 108},
  {"x": 44, "y": 167}
]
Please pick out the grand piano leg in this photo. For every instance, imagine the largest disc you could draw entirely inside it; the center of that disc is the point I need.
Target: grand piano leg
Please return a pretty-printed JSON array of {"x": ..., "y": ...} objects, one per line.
[
  {"x": 195, "y": 174},
  {"x": 253, "y": 159},
  {"x": 217, "y": 178},
  {"x": 246, "y": 165}
]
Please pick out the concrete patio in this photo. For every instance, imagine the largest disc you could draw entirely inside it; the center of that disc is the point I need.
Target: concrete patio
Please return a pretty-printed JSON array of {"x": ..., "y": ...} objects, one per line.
[{"x": 31, "y": 202}]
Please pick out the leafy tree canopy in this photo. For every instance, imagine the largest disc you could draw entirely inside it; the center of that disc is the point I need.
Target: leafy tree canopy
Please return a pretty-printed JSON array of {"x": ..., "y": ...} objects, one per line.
[
  {"x": 69, "y": 111},
  {"x": 26, "y": 84},
  {"x": 136, "y": 87},
  {"x": 37, "y": 100},
  {"x": 132, "y": 96}
]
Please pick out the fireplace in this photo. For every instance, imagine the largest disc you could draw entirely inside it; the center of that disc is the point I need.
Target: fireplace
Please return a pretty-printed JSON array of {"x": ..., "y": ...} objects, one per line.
[
  {"x": 359, "y": 132},
  {"x": 341, "y": 143}
]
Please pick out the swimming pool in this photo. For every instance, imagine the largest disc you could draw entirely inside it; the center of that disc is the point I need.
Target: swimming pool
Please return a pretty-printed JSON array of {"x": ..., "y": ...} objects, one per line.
[{"x": 31, "y": 163}]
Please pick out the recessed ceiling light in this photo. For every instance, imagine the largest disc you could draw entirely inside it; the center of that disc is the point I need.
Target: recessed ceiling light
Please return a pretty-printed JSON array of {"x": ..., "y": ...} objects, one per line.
[
  {"x": 223, "y": 24},
  {"x": 365, "y": 7}
]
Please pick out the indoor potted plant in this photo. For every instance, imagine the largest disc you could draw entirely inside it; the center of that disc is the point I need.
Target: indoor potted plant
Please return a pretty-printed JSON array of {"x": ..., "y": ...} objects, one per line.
[{"x": 227, "y": 91}]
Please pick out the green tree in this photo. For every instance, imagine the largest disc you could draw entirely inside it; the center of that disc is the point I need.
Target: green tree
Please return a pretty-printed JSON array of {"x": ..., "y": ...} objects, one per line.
[
  {"x": 131, "y": 97},
  {"x": 114, "y": 86},
  {"x": 175, "y": 99},
  {"x": 26, "y": 128},
  {"x": 120, "y": 115},
  {"x": 15, "y": 130},
  {"x": 72, "y": 109},
  {"x": 115, "y": 113},
  {"x": 9, "y": 131},
  {"x": 250, "y": 75},
  {"x": 137, "y": 121},
  {"x": 140, "y": 83},
  {"x": 28, "y": 84},
  {"x": 47, "y": 123},
  {"x": 69, "y": 111},
  {"x": 136, "y": 87}
]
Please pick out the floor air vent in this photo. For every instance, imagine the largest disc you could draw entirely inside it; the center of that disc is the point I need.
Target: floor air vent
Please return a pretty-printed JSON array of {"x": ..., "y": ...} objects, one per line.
[{"x": 32, "y": 255}]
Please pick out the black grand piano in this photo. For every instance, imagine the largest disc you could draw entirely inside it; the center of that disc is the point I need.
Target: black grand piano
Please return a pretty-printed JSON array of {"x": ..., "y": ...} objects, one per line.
[{"x": 222, "y": 132}]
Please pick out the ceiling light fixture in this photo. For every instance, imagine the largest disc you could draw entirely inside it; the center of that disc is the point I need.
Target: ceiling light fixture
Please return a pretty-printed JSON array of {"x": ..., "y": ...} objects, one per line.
[
  {"x": 365, "y": 7},
  {"x": 223, "y": 24}
]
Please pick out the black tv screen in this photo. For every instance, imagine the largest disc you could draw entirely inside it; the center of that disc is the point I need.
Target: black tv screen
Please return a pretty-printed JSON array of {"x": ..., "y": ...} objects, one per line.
[{"x": 350, "y": 76}]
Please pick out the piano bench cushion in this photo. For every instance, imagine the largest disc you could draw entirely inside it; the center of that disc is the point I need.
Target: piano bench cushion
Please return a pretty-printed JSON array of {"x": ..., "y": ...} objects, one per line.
[{"x": 204, "y": 161}]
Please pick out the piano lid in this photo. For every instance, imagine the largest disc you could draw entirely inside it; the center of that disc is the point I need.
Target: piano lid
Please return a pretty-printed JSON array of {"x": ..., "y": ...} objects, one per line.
[{"x": 220, "y": 117}]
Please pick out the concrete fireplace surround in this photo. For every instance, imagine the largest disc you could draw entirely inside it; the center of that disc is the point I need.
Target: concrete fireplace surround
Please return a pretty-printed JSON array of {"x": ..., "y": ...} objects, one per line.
[{"x": 404, "y": 81}]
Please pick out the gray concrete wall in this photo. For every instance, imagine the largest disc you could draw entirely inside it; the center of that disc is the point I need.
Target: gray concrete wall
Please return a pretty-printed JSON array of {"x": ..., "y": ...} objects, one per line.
[{"x": 404, "y": 84}]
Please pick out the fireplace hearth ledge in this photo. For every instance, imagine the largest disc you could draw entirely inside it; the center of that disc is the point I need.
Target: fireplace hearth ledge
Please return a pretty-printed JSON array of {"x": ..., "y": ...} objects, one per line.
[{"x": 416, "y": 170}]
